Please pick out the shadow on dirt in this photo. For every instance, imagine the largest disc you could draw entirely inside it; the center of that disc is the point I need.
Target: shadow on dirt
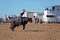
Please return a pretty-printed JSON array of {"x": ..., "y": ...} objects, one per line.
[{"x": 32, "y": 31}]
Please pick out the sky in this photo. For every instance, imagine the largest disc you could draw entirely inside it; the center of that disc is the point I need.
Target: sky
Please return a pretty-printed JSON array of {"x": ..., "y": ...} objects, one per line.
[{"x": 13, "y": 7}]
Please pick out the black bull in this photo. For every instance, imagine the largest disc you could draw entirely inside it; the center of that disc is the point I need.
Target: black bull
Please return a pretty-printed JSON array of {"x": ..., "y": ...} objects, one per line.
[{"x": 22, "y": 22}]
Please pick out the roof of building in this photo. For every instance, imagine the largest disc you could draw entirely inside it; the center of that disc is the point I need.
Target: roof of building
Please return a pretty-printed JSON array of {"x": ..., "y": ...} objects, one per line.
[
  {"x": 37, "y": 12},
  {"x": 56, "y": 6}
]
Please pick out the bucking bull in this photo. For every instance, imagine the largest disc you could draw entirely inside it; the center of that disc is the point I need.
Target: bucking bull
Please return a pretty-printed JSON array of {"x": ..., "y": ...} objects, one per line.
[{"x": 17, "y": 22}]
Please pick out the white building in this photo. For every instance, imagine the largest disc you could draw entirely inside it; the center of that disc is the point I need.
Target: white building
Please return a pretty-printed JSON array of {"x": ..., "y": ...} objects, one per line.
[
  {"x": 49, "y": 17},
  {"x": 52, "y": 15}
]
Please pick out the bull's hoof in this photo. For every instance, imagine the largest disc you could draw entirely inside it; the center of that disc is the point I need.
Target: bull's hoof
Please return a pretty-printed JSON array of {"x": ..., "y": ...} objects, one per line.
[
  {"x": 23, "y": 28},
  {"x": 12, "y": 28}
]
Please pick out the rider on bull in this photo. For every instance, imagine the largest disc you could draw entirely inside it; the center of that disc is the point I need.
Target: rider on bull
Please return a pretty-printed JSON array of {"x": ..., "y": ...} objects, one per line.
[{"x": 23, "y": 14}]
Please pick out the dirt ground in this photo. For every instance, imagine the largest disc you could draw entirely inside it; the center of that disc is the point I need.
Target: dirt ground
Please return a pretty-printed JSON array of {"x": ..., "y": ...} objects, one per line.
[{"x": 32, "y": 32}]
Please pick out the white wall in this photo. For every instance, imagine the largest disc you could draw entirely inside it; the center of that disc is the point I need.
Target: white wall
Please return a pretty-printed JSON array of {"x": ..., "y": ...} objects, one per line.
[
  {"x": 57, "y": 13},
  {"x": 58, "y": 18},
  {"x": 35, "y": 14},
  {"x": 44, "y": 16},
  {"x": 30, "y": 14},
  {"x": 48, "y": 19}
]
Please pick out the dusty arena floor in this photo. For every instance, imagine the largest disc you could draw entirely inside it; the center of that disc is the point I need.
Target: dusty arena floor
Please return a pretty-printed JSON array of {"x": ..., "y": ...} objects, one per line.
[{"x": 32, "y": 32}]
